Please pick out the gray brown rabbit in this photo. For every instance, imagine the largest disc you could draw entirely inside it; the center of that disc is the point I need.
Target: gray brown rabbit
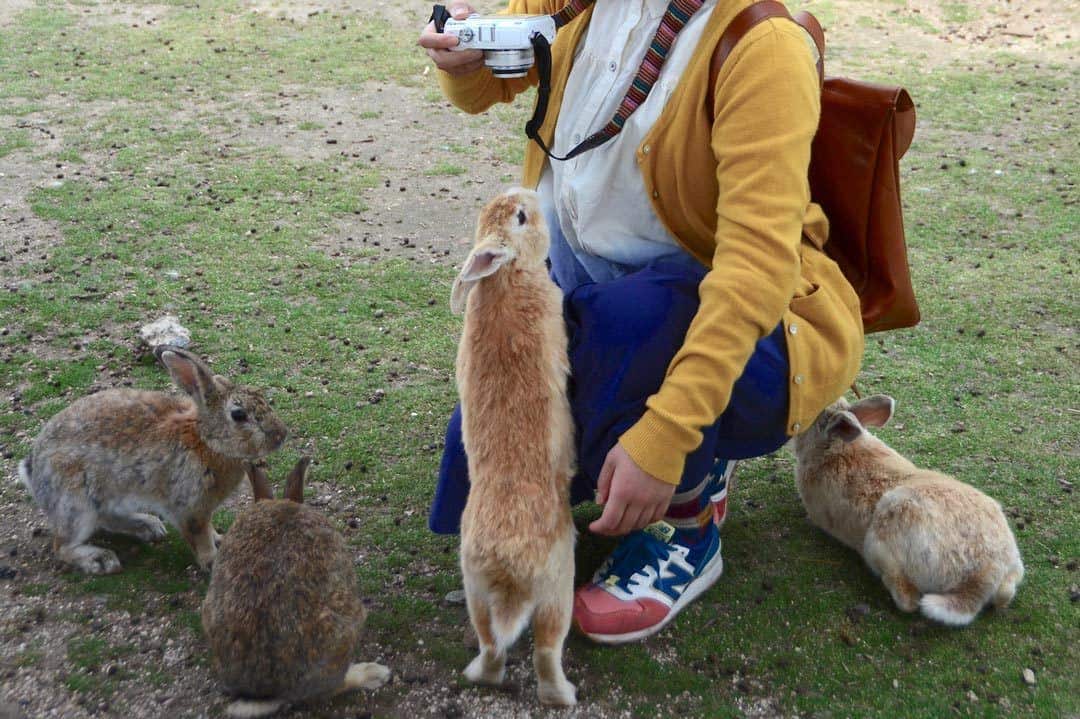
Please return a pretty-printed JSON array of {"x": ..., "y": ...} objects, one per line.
[
  {"x": 517, "y": 535},
  {"x": 115, "y": 459},
  {"x": 282, "y": 614},
  {"x": 937, "y": 543}
]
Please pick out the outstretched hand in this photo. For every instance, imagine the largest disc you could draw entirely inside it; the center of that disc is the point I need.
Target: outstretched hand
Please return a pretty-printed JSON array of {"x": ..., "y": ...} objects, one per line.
[{"x": 632, "y": 497}]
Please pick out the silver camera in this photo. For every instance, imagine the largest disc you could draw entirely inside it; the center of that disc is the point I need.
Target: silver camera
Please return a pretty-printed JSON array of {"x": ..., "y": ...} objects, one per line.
[{"x": 505, "y": 39}]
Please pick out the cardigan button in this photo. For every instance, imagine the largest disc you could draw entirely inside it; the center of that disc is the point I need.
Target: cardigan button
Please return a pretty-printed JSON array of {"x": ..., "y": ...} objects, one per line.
[
  {"x": 646, "y": 149},
  {"x": 797, "y": 379},
  {"x": 655, "y": 194},
  {"x": 793, "y": 328},
  {"x": 796, "y": 427}
]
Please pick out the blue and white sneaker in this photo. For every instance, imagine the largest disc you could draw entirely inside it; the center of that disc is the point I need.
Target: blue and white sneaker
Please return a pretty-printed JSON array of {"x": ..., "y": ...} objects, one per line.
[{"x": 645, "y": 582}]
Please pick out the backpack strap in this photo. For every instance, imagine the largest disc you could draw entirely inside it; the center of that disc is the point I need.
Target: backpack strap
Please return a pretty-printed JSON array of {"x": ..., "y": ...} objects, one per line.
[
  {"x": 810, "y": 23},
  {"x": 748, "y": 18}
]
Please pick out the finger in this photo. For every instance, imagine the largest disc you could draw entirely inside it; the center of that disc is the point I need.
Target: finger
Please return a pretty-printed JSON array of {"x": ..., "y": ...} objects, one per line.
[
  {"x": 633, "y": 518},
  {"x": 603, "y": 485},
  {"x": 658, "y": 513},
  {"x": 467, "y": 68},
  {"x": 436, "y": 40},
  {"x": 460, "y": 10},
  {"x": 609, "y": 520},
  {"x": 457, "y": 63}
]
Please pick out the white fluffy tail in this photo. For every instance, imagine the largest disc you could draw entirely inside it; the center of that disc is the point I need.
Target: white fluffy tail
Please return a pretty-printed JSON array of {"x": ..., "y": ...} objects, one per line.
[
  {"x": 252, "y": 708},
  {"x": 24, "y": 472},
  {"x": 948, "y": 609}
]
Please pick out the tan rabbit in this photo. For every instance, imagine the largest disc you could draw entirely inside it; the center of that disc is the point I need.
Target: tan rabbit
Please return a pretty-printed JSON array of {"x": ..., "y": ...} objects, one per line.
[
  {"x": 937, "y": 543},
  {"x": 110, "y": 458},
  {"x": 517, "y": 535},
  {"x": 282, "y": 614}
]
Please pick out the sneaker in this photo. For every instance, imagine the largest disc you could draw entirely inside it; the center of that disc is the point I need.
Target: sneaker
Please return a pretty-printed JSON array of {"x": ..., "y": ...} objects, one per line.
[{"x": 645, "y": 582}]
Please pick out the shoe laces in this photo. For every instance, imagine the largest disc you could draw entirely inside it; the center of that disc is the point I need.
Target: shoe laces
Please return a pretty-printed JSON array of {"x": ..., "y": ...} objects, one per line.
[{"x": 634, "y": 556}]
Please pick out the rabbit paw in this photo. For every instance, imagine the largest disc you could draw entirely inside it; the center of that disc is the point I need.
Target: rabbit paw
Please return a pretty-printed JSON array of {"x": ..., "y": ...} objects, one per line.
[
  {"x": 557, "y": 693},
  {"x": 367, "y": 675},
  {"x": 91, "y": 560},
  {"x": 144, "y": 527},
  {"x": 486, "y": 668}
]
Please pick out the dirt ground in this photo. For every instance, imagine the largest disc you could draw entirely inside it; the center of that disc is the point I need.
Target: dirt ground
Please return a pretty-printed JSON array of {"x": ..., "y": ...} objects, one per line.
[{"x": 415, "y": 214}]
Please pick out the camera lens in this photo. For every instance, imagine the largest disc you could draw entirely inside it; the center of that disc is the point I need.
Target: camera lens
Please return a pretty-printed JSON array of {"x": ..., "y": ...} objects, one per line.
[{"x": 509, "y": 63}]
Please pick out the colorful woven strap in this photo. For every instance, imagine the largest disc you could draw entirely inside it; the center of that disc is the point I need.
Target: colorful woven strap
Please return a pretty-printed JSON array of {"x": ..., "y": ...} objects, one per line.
[
  {"x": 571, "y": 11},
  {"x": 678, "y": 14}
]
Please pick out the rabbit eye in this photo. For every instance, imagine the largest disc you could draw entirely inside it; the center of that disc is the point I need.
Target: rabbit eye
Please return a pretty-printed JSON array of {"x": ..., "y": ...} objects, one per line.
[
  {"x": 238, "y": 414},
  {"x": 521, "y": 217}
]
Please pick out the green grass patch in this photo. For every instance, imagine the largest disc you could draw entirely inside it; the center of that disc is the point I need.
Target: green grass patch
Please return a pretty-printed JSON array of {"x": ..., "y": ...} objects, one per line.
[
  {"x": 446, "y": 169},
  {"x": 13, "y": 141}
]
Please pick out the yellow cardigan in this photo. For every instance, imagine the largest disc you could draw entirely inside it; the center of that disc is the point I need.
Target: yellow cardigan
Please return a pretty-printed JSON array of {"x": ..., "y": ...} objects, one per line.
[{"x": 743, "y": 210}]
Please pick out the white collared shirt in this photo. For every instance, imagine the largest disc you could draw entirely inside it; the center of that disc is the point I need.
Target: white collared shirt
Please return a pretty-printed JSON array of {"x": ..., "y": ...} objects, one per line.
[{"x": 598, "y": 198}]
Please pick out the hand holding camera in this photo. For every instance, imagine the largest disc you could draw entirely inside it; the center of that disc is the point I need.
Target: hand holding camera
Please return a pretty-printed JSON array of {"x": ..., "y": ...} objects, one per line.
[
  {"x": 508, "y": 42},
  {"x": 439, "y": 46}
]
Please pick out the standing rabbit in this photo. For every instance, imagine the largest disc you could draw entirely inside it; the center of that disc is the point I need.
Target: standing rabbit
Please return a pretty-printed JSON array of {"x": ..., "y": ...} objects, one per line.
[
  {"x": 517, "y": 535},
  {"x": 109, "y": 458},
  {"x": 282, "y": 614},
  {"x": 937, "y": 543}
]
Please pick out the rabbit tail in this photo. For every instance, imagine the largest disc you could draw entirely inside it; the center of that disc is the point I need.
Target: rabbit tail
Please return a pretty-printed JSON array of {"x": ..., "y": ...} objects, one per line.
[
  {"x": 25, "y": 467},
  {"x": 960, "y": 606},
  {"x": 252, "y": 708}
]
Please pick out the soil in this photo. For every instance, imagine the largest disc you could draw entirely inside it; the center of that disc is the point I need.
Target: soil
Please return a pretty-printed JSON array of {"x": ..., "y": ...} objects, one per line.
[{"x": 418, "y": 215}]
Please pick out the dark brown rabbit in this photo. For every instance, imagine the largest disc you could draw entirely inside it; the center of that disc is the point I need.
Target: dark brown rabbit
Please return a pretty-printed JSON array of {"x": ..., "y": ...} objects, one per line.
[{"x": 282, "y": 614}]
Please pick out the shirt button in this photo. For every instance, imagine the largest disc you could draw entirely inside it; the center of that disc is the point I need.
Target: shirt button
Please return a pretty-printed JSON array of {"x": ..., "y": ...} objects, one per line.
[
  {"x": 793, "y": 328},
  {"x": 577, "y": 137},
  {"x": 797, "y": 379},
  {"x": 613, "y": 66}
]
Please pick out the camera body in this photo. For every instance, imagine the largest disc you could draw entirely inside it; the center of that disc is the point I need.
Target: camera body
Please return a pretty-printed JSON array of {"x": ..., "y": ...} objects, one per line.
[{"x": 506, "y": 40}]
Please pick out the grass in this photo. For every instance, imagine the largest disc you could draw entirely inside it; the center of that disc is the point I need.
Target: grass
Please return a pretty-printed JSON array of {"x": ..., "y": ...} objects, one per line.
[{"x": 356, "y": 350}]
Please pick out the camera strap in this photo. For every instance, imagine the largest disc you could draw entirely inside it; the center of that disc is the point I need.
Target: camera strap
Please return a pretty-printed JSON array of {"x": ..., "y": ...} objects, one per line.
[
  {"x": 678, "y": 14},
  {"x": 675, "y": 18}
]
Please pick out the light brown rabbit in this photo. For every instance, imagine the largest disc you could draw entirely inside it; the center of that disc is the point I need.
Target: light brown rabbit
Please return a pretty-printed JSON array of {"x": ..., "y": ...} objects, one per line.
[
  {"x": 937, "y": 543},
  {"x": 110, "y": 458},
  {"x": 282, "y": 614},
  {"x": 517, "y": 535}
]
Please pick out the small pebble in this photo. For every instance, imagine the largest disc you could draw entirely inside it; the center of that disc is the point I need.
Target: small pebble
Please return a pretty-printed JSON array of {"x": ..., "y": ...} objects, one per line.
[{"x": 1029, "y": 677}]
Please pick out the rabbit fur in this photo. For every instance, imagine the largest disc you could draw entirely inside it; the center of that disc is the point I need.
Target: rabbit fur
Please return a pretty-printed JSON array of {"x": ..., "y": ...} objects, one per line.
[
  {"x": 517, "y": 534},
  {"x": 938, "y": 544},
  {"x": 282, "y": 614},
  {"x": 109, "y": 459}
]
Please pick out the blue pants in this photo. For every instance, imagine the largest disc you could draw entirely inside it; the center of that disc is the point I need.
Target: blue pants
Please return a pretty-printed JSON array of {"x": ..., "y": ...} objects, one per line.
[{"x": 623, "y": 333}]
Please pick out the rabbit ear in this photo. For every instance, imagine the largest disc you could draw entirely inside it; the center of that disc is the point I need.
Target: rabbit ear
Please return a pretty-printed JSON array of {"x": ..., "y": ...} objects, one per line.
[
  {"x": 294, "y": 484},
  {"x": 260, "y": 483},
  {"x": 845, "y": 426},
  {"x": 874, "y": 411},
  {"x": 484, "y": 260},
  {"x": 188, "y": 372}
]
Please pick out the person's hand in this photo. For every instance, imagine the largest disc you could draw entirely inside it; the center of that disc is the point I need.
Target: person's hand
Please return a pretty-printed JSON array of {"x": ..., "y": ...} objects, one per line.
[
  {"x": 632, "y": 497},
  {"x": 438, "y": 45}
]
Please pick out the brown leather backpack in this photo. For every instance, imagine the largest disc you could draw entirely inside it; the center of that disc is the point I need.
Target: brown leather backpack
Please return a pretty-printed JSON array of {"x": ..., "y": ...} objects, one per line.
[{"x": 854, "y": 175}]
